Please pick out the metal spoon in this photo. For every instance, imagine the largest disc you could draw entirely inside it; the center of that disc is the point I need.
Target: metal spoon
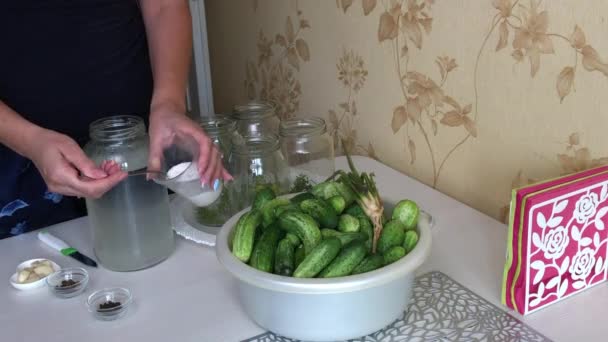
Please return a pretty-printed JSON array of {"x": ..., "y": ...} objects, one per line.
[{"x": 162, "y": 176}]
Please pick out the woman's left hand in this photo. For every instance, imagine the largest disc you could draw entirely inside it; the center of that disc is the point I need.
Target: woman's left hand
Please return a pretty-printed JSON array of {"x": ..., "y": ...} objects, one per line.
[{"x": 168, "y": 123}]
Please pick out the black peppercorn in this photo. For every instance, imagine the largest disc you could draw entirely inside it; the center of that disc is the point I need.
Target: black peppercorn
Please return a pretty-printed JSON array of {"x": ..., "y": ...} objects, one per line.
[
  {"x": 66, "y": 283},
  {"x": 109, "y": 305}
]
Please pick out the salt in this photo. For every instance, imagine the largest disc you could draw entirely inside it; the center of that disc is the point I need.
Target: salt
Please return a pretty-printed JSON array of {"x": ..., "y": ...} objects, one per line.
[
  {"x": 177, "y": 170},
  {"x": 182, "y": 173}
]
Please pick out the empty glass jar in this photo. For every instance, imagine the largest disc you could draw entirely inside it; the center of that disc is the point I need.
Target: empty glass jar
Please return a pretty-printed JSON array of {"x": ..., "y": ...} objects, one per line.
[
  {"x": 309, "y": 151},
  {"x": 256, "y": 160},
  {"x": 131, "y": 223},
  {"x": 220, "y": 130},
  {"x": 256, "y": 118}
]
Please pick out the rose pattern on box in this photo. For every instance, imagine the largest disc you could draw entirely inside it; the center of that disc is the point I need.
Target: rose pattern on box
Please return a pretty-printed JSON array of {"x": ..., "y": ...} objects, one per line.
[{"x": 569, "y": 246}]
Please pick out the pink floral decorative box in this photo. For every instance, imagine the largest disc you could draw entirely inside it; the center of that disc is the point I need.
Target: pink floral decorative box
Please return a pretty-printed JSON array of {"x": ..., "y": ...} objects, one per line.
[{"x": 558, "y": 239}]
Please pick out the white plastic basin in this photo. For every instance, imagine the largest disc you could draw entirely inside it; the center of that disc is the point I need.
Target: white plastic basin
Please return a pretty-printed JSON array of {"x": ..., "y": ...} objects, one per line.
[{"x": 325, "y": 309}]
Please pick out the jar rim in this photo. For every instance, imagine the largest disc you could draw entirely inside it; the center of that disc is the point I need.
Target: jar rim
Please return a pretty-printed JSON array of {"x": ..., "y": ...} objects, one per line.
[
  {"x": 255, "y": 145},
  {"x": 117, "y": 128},
  {"x": 302, "y": 127},
  {"x": 217, "y": 125},
  {"x": 254, "y": 110}
]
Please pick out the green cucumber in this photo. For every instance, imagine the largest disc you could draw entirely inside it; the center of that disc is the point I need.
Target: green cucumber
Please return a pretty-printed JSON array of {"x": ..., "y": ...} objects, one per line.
[
  {"x": 299, "y": 255},
  {"x": 392, "y": 235},
  {"x": 244, "y": 234},
  {"x": 356, "y": 210},
  {"x": 258, "y": 234},
  {"x": 365, "y": 227},
  {"x": 346, "y": 192},
  {"x": 406, "y": 211},
  {"x": 321, "y": 211},
  {"x": 338, "y": 203},
  {"x": 329, "y": 189},
  {"x": 350, "y": 256},
  {"x": 303, "y": 226},
  {"x": 410, "y": 240},
  {"x": 284, "y": 260},
  {"x": 325, "y": 190},
  {"x": 300, "y": 197},
  {"x": 318, "y": 258},
  {"x": 345, "y": 238},
  {"x": 262, "y": 257},
  {"x": 294, "y": 239},
  {"x": 269, "y": 208},
  {"x": 282, "y": 208},
  {"x": 370, "y": 263},
  {"x": 348, "y": 223},
  {"x": 263, "y": 196},
  {"x": 326, "y": 232},
  {"x": 393, "y": 254},
  {"x": 261, "y": 184}
]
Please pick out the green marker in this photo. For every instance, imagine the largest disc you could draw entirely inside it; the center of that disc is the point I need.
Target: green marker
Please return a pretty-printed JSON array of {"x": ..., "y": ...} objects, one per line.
[{"x": 58, "y": 244}]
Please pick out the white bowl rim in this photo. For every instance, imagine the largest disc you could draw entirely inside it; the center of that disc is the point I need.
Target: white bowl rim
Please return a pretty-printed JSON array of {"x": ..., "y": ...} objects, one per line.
[{"x": 274, "y": 282}]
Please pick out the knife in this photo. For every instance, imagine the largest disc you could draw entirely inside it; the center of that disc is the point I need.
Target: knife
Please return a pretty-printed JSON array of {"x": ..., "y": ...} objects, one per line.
[{"x": 58, "y": 244}]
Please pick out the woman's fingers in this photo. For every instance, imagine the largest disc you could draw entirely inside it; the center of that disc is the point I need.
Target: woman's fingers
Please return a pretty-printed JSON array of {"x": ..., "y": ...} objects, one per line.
[
  {"x": 111, "y": 167},
  {"x": 205, "y": 153},
  {"x": 67, "y": 180},
  {"x": 210, "y": 173},
  {"x": 74, "y": 155},
  {"x": 155, "y": 154},
  {"x": 226, "y": 175},
  {"x": 97, "y": 187},
  {"x": 180, "y": 129}
]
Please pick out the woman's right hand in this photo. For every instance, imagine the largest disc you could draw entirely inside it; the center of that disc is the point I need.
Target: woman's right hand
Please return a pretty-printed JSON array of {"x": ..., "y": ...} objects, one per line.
[{"x": 61, "y": 161}]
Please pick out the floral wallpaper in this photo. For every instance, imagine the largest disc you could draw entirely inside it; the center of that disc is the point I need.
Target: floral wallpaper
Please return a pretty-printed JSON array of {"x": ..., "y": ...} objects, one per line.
[
  {"x": 470, "y": 97},
  {"x": 272, "y": 75}
]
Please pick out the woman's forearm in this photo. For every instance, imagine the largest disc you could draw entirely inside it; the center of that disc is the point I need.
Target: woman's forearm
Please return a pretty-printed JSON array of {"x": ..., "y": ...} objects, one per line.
[
  {"x": 16, "y": 132},
  {"x": 169, "y": 32}
]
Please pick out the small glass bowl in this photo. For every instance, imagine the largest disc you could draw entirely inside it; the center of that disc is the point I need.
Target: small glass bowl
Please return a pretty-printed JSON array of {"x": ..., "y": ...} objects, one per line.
[
  {"x": 79, "y": 275},
  {"x": 117, "y": 295}
]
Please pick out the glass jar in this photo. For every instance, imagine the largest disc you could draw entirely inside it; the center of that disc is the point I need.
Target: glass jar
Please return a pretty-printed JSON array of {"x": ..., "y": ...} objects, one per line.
[
  {"x": 309, "y": 152},
  {"x": 255, "y": 118},
  {"x": 256, "y": 160},
  {"x": 220, "y": 130},
  {"x": 131, "y": 223}
]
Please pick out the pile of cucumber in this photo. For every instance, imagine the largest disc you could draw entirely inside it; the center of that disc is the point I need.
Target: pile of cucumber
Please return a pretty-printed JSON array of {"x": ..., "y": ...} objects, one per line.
[{"x": 322, "y": 233}]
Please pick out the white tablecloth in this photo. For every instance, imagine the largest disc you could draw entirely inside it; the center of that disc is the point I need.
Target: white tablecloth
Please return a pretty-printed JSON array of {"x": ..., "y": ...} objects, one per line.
[{"x": 189, "y": 297}]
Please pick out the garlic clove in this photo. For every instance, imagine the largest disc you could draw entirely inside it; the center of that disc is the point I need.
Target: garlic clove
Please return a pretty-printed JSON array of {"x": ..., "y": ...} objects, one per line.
[
  {"x": 32, "y": 277},
  {"x": 23, "y": 275},
  {"x": 43, "y": 270}
]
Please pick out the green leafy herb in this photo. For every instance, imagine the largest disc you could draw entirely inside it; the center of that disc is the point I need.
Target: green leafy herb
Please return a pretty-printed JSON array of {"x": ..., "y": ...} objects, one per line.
[
  {"x": 217, "y": 213},
  {"x": 364, "y": 187},
  {"x": 301, "y": 184}
]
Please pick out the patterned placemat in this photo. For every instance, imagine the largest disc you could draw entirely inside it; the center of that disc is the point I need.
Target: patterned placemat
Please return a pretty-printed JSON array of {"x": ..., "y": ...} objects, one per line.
[{"x": 444, "y": 310}]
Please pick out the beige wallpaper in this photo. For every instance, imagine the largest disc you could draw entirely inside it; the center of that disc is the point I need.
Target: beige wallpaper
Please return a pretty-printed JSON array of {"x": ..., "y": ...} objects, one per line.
[{"x": 469, "y": 97}]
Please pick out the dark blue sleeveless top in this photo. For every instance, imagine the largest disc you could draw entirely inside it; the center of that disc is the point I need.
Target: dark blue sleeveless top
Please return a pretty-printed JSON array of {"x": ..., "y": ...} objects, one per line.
[{"x": 64, "y": 64}]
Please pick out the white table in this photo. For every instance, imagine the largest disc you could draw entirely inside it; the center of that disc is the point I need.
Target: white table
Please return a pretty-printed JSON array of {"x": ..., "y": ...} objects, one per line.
[{"x": 189, "y": 297}]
